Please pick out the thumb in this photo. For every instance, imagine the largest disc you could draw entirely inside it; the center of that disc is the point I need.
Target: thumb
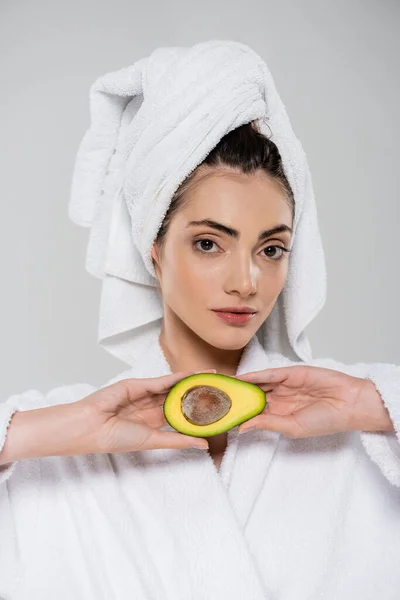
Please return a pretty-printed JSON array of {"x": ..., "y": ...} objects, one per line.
[{"x": 162, "y": 384}]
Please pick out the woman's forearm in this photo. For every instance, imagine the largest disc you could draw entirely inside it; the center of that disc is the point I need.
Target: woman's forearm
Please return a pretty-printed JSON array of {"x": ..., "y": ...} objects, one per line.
[{"x": 50, "y": 431}]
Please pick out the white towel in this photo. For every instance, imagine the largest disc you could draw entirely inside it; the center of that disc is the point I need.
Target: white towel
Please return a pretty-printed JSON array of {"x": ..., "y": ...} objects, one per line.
[{"x": 152, "y": 124}]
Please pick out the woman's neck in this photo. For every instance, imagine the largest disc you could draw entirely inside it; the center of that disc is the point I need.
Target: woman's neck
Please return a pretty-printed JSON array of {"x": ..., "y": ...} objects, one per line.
[{"x": 186, "y": 351}]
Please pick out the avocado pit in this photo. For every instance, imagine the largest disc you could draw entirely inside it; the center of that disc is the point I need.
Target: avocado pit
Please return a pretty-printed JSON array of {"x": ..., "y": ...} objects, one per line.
[{"x": 205, "y": 404}]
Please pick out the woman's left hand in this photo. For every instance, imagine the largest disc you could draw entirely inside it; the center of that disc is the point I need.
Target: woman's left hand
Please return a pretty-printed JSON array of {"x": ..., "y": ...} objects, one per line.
[{"x": 305, "y": 401}]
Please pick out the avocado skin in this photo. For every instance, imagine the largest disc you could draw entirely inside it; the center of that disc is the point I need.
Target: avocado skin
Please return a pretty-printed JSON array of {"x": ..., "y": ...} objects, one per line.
[{"x": 249, "y": 402}]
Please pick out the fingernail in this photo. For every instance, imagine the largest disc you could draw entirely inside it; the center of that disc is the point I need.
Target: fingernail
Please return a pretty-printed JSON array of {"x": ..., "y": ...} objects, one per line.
[
  {"x": 200, "y": 447},
  {"x": 207, "y": 370}
]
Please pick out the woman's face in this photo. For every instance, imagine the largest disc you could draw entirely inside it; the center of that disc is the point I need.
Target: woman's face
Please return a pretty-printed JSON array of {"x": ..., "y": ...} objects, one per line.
[{"x": 206, "y": 266}]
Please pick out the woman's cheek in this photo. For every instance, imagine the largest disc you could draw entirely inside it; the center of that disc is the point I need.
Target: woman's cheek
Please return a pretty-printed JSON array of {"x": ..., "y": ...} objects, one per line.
[{"x": 200, "y": 280}]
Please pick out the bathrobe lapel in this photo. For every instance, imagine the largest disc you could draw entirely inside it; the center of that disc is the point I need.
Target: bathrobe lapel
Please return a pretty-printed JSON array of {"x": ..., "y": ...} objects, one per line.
[
  {"x": 249, "y": 458},
  {"x": 208, "y": 509}
]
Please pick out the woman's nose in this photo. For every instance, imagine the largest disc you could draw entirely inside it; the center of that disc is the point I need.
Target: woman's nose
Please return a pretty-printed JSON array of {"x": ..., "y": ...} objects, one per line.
[{"x": 242, "y": 276}]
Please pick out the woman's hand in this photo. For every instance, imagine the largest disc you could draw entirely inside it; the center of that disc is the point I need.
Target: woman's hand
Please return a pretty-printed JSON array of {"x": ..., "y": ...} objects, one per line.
[
  {"x": 122, "y": 417},
  {"x": 127, "y": 416},
  {"x": 304, "y": 401}
]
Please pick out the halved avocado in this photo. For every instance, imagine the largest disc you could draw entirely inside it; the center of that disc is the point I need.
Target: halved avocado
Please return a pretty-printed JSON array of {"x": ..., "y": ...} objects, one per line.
[{"x": 207, "y": 404}]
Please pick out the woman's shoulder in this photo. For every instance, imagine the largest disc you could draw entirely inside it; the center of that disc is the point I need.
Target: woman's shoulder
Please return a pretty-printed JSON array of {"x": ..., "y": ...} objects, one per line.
[
  {"x": 34, "y": 398},
  {"x": 60, "y": 394},
  {"x": 126, "y": 374}
]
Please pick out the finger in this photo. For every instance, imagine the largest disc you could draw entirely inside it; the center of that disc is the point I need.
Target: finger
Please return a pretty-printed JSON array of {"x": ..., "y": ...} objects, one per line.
[
  {"x": 156, "y": 385},
  {"x": 160, "y": 385},
  {"x": 277, "y": 375},
  {"x": 153, "y": 417},
  {"x": 281, "y": 424},
  {"x": 170, "y": 439}
]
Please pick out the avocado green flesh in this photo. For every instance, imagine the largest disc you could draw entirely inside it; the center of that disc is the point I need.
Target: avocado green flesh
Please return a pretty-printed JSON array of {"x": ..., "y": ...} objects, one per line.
[{"x": 248, "y": 400}]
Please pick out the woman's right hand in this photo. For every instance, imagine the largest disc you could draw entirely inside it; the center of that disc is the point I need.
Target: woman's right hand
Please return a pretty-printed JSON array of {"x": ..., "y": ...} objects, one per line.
[{"x": 128, "y": 415}]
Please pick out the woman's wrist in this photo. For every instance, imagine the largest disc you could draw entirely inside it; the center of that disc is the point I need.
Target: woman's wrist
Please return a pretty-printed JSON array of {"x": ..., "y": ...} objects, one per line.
[{"x": 371, "y": 412}]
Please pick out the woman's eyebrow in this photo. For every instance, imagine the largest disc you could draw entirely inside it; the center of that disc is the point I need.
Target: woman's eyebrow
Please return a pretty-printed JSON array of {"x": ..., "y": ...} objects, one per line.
[{"x": 235, "y": 233}]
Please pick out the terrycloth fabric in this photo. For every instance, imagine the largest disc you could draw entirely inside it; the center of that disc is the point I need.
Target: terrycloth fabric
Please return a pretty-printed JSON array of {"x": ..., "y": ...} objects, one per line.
[
  {"x": 283, "y": 519},
  {"x": 152, "y": 124}
]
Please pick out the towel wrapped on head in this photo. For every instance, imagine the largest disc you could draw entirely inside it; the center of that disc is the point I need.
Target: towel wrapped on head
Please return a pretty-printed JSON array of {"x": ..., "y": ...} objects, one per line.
[{"x": 152, "y": 124}]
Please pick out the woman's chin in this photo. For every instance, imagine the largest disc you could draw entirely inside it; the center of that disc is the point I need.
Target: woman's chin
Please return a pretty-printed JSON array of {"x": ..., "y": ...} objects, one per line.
[{"x": 230, "y": 340}]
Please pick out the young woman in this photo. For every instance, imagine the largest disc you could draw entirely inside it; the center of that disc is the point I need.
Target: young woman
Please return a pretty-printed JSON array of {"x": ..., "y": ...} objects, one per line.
[{"x": 101, "y": 498}]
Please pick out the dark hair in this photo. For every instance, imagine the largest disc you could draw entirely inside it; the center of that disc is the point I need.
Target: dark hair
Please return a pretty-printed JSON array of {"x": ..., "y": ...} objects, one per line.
[{"x": 244, "y": 149}]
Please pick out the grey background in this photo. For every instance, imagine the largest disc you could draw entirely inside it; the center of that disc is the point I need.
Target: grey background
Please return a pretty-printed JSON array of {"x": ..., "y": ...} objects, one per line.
[{"x": 336, "y": 68}]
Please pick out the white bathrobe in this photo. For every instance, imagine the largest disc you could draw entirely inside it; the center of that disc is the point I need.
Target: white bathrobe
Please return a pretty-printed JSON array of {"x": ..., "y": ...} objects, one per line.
[{"x": 283, "y": 519}]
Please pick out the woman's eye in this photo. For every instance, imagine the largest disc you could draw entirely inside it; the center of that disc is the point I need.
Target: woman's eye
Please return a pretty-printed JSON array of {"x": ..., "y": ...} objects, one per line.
[
  {"x": 273, "y": 248},
  {"x": 205, "y": 244}
]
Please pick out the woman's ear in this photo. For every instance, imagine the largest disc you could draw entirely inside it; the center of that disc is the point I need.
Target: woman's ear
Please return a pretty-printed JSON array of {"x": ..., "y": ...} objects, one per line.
[
  {"x": 156, "y": 260},
  {"x": 154, "y": 254}
]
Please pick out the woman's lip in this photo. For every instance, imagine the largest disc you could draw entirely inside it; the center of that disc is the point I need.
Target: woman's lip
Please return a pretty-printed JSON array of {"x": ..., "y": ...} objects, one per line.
[
  {"x": 234, "y": 310},
  {"x": 234, "y": 318}
]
